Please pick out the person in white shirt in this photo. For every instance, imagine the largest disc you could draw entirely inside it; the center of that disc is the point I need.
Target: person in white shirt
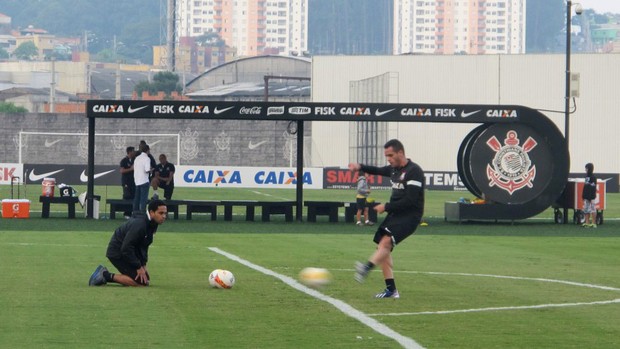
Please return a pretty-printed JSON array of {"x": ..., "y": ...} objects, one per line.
[{"x": 141, "y": 171}]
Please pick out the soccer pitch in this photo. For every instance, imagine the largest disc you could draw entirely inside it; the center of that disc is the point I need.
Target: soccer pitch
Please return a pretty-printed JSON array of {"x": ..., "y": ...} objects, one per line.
[{"x": 531, "y": 284}]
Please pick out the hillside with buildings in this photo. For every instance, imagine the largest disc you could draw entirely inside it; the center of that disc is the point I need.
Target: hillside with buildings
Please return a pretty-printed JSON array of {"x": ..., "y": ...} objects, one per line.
[{"x": 105, "y": 49}]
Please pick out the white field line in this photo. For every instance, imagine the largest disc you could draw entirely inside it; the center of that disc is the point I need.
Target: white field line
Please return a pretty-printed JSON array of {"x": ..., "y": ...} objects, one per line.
[
  {"x": 348, "y": 310},
  {"x": 565, "y": 282},
  {"x": 532, "y": 219},
  {"x": 40, "y": 244},
  {"x": 539, "y": 306},
  {"x": 273, "y": 196}
]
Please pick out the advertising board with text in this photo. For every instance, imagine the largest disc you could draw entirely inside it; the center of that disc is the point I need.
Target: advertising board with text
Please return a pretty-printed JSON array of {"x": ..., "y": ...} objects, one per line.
[
  {"x": 9, "y": 171},
  {"x": 339, "y": 178},
  {"x": 246, "y": 177}
]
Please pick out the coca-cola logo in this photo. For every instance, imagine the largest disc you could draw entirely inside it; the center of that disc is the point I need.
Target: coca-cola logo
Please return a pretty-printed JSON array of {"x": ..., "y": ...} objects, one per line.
[{"x": 250, "y": 111}]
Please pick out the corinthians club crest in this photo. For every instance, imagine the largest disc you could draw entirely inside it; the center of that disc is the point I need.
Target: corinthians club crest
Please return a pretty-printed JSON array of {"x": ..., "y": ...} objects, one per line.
[{"x": 511, "y": 168}]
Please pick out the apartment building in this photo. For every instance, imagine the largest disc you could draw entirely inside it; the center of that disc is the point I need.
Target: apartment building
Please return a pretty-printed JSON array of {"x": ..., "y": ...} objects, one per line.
[
  {"x": 459, "y": 26},
  {"x": 253, "y": 27}
]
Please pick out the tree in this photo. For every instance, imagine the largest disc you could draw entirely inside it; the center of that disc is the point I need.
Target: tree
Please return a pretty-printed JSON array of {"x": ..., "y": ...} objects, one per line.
[
  {"x": 7, "y": 107},
  {"x": 210, "y": 40},
  {"x": 106, "y": 55},
  {"x": 597, "y": 18},
  {"x": 27, "y": 51},
  {"x": 166, "y": 82},
  {"x": 3, "y": 53}
]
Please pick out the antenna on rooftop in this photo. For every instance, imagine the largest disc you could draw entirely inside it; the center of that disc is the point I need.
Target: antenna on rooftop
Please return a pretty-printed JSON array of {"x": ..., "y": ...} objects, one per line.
[{"x": 170, "y": 35}]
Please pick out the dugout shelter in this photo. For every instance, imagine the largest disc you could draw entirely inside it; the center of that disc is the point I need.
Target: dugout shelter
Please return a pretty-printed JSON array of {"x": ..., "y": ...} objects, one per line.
[{"x": 514, "y": 158}]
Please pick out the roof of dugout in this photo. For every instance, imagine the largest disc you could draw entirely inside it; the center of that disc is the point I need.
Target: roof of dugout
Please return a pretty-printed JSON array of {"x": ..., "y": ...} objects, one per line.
[{"x": 524, "y": 147}]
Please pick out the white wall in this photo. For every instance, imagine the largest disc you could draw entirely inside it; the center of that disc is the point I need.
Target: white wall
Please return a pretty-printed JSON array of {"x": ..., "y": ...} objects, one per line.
[
  {"x": 70, "y": 76},
  {"x": 535, "y": 81}
]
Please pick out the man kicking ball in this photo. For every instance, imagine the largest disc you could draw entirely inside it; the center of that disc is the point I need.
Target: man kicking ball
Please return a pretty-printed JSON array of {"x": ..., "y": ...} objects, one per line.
[{"x": 404, "y": 212}]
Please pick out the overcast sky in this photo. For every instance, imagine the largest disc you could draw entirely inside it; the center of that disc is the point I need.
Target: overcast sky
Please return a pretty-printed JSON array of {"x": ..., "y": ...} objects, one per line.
[{"x": 600, "y": 6}]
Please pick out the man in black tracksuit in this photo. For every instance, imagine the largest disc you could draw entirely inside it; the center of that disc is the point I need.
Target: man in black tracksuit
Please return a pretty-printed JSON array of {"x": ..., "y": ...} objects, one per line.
[
  {"x": 405, "y": 210},
  {"x": 126, "y": 169},
  {"x": 129, "y": 246}
]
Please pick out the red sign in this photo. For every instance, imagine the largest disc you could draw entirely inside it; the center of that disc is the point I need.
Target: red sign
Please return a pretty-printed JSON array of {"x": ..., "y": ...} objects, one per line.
[{"x": 339, "y": 178}]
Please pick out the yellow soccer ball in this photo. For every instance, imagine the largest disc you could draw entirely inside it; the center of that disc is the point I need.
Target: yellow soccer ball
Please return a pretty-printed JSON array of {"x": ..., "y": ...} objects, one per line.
[{"x": 315, "y": 277}]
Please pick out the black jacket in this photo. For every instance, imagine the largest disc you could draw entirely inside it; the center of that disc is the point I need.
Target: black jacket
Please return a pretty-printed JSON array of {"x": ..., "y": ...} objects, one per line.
[
  {"x": 407, "y": 188},
  {"x": 131, "y": 240}
]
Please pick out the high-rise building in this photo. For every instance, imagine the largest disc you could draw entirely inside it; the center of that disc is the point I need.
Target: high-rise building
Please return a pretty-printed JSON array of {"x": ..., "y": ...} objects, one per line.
[
  {"x": 350, "y": 27},
  {"x": 459, "y": 26},
  {"x": 253, "y": 27}
]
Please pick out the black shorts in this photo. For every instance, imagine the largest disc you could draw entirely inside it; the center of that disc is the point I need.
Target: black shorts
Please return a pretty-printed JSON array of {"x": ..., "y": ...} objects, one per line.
[
  {"x": 397, "y": 227},
  {"x": 126, "y": 269},
  {"x": 361, "y": 203}
]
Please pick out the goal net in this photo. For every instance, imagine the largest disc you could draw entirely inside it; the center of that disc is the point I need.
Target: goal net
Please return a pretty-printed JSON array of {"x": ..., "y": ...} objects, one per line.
[{"x": 110, "y": 148}]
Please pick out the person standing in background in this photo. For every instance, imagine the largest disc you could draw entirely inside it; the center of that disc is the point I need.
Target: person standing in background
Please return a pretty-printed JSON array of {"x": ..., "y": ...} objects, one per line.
[
  {"x": 589, "y": 197},
  {"x": 360, "y": 199},
  {"x": 141, "y": 172},
  {"x": 127, "y": 181},
  {"x": 152, "y": 158}
]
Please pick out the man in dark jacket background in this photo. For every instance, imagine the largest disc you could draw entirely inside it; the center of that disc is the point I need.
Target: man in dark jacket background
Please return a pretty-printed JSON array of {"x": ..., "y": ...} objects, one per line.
[{"x": 129, "y": 246}]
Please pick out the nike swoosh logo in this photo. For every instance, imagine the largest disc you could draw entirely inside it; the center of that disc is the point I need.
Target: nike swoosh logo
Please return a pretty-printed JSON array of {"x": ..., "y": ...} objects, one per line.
[
  {"x": 36, "y": 177},
  {"x": 380, "y": 113},
  {"x": 254, "y": 146},
  {"x": 49, "y": 144},
  {"x": 133, "y": 110},
  {"x": 84, "y": 178},
  {"x": 152, "y": 144},
  {"x": 464, "y": 114},
  {"x": 220, "y": 111}
]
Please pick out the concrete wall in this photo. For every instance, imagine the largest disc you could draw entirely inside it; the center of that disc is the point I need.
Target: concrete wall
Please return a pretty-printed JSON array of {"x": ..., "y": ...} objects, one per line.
[{"x": 202, "y": 142}]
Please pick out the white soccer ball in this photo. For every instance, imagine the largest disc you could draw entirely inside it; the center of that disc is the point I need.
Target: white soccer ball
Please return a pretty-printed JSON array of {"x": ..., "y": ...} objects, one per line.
[
  {"x": 221, "y": 278},
  {"x": 315, "y": 277}
]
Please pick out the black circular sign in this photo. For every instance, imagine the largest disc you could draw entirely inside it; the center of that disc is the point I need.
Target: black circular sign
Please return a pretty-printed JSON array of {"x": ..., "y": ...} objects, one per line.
[
  {"x": 511, "y": 163},
  {"x": 463, "y": 159}
]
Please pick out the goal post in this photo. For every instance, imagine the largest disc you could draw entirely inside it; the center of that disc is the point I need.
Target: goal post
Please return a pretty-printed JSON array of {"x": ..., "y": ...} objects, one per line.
[{"x": 72, "y": 147}]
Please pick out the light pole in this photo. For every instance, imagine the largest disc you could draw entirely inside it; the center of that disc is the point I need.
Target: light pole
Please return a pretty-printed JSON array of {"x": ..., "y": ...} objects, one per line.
[{"x": 578, "y": 10}]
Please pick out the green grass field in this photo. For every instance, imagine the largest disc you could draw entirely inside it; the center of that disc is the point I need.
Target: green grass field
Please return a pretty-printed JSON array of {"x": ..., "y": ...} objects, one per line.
[{"x": 527, "y": 284}]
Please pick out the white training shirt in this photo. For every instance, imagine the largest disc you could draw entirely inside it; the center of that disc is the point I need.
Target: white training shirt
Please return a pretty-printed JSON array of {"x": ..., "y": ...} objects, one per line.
[{"x": 141, "y": 169}]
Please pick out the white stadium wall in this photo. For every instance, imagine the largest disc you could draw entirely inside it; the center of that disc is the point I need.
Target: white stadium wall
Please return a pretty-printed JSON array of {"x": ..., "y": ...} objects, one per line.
[{"x": 535, "y": 81}]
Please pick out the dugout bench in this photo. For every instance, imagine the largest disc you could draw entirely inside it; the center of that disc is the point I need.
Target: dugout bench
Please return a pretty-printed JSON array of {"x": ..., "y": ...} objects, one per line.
[
  {"x": 268, "y": 208},
  {"x": 123, "y": 205},
  {"x": 250, "y": 208},
  {"x": 325, "y": 208},
  {"x": 350, "y": 210},
  {"x": 70, "y": 201},
  {"x": 195, "y": 206},
  {"x": 277, "y": 207}
]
